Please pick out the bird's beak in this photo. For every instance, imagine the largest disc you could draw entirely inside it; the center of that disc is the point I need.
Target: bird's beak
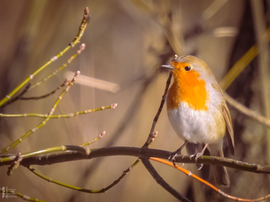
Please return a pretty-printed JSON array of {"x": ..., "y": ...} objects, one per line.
[{"x": 170, "y": 67}]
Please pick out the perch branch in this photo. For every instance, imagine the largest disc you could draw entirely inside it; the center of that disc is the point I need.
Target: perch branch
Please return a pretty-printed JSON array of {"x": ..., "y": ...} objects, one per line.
[{"x": 38, "y": 158}]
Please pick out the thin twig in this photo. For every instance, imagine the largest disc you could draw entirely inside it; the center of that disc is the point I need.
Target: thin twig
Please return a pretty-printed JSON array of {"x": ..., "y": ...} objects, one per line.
[
  {"x": 23, "y": 196},
  {"x": 20, "y": 96},
  {"x": 82, "y": 47},
  {"x": 46, "y": 120},
  {"x": 60, "y": 183},
  {"x": 125, "y": 172},
  {"x": 76, "y": 40},
  {"x": 14, "y": 99},
  {"x": 161, "y": 181},
  {"x": 158, "y": 112},
  {"x": 246, "y": 111},
  {"x": 46, "y": 95},
  {"x": 150, "y": 139},
  {"x": 30, "y": 86},
  {"x": 103, "y": 190},
  {"x": 188, "y": 173},
  {"x": 101, "y": 135},
  {"x": 70, "y": 115}
]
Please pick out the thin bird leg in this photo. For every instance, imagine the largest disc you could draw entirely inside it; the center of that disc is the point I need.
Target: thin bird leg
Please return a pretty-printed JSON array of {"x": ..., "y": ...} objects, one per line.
[
  {"x": 175, "y": 153},
  {"x": 197, "y": 155}
]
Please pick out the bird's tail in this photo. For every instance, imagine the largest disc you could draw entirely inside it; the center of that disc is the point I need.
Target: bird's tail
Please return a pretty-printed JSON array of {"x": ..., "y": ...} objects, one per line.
[
  {"x": 220, "y": 172},
  {"x": 221, "y": 176}
]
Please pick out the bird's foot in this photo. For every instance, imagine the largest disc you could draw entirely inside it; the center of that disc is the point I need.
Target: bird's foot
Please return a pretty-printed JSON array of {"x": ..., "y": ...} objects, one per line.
[
  {"x": 197, "y": 155},
  {"x": 173, "y": 156},
  {"x": 199, "y": 166},
  {"x": 177, "y": 152}
]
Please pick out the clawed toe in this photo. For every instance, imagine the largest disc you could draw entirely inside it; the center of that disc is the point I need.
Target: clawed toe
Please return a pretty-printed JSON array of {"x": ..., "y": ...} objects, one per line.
[
  {"x": 197, "y": 155},
  {"x": 172, "y": 158},
  {"x": 199, "y": 166},
  {"x": 174, "y": 154}
]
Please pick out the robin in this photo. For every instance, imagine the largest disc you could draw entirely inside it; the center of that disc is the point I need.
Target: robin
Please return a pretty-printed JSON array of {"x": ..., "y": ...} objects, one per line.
[{"x": 198, "y": 112}]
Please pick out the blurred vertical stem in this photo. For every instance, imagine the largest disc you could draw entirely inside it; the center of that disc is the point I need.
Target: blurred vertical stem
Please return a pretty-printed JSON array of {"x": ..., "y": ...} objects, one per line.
[
  {"x": 169, "y": 15},
  {"x": 260, "y": 27}
]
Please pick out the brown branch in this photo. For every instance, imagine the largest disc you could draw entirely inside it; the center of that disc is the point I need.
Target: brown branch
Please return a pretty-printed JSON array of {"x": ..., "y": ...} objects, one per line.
[
  {"x": 15, "y": 164},
  {"x": 25, "y": 90},
  {"x": 246, "y": 111},
  {"x": 161, "y": 181},
  {"x": 188, "y": 173},
  {"x": 125, "y": 172},
  {"x": 73, "y": 154},
  {"x": 46, "y": 95},
  {"x": 146, "y": 144}
]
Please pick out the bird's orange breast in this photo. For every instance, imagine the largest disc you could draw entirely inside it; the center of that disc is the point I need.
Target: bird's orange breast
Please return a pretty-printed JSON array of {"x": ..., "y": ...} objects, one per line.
[{"x": 188, "y": 88}]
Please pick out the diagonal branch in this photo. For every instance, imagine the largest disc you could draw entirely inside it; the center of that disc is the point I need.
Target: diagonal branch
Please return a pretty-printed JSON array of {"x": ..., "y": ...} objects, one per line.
[
  {"x": 246, "y": 111},
  {"x": 161, "y": 181},
  {"x": 188, "y": 173}
]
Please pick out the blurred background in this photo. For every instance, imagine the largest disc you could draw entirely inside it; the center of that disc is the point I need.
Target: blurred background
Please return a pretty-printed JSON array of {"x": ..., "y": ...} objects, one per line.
[{"x": 126, "y": 43}]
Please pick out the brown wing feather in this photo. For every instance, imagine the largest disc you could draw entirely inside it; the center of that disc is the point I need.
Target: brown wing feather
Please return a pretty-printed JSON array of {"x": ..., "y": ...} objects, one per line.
[
  {"x": 229, "y": 133},
  {"x": 228, "y": 121}
]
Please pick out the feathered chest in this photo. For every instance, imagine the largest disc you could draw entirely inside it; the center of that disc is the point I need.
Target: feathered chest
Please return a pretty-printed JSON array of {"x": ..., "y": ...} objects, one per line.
[{"x": 191, "y": 90}]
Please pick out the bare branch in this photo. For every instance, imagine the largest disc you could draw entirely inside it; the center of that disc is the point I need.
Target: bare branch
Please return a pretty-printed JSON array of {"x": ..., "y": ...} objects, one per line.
[
  {"x": 161, "y": 181},
  {"x": 146, "y": 144},
  {"x": 188, "y": 173},
  {"x": 250, "y": 113},
  {"x": 71, "y": 154}
]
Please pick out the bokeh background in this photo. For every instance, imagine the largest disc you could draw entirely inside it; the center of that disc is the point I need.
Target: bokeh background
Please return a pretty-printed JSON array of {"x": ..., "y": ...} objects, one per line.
[{"x": 126, "y": 43}]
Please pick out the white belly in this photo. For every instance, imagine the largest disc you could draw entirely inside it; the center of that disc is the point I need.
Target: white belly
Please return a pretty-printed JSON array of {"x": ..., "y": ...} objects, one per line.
[{"x": 197, "y": 126}]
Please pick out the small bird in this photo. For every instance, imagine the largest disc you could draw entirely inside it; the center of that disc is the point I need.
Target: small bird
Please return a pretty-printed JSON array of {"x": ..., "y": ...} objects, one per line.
[{"x": 198, "y": 112}]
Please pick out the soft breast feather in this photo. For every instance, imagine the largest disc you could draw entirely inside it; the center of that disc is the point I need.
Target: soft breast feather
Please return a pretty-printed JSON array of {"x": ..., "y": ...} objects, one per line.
[{"x": 197, "y": 126}]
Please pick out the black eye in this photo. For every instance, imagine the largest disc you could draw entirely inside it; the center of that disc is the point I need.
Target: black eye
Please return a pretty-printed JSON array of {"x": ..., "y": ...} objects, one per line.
[{"x": 187, "y": 68}]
